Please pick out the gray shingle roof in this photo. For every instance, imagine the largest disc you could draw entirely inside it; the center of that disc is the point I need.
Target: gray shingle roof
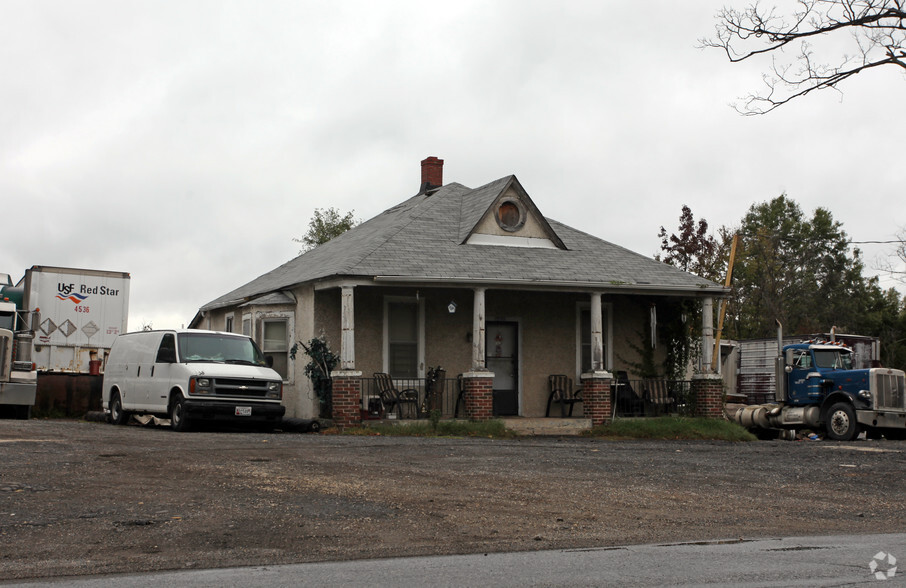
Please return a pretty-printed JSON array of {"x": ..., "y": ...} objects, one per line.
[{"x": 422, "y": 238}]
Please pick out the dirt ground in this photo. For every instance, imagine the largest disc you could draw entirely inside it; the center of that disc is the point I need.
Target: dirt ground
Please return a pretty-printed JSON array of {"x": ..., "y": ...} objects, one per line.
[{"x": 91, "y": 498}]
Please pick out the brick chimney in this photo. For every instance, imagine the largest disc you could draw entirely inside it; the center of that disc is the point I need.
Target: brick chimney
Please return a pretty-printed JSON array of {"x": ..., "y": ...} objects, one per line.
[{"x": 432, "y": 173}]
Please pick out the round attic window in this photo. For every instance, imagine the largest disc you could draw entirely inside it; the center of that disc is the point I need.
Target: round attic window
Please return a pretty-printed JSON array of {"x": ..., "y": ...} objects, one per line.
[{"x": 510, "y": 215}]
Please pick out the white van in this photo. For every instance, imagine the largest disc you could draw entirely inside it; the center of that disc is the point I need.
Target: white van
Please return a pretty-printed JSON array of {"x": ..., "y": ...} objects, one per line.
[{"x": 189, "y": 376}]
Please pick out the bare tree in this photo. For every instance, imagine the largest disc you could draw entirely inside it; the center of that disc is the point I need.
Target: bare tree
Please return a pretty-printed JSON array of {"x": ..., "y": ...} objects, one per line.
[
  {"x": 877, "y": 37},
  {"x": 895, "y": 264}
]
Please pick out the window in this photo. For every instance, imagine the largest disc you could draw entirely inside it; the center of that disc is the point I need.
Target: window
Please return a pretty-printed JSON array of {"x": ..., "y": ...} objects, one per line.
[
  {"x": 802, "y": 359},
  {"x": 275, "y": 344},
  {"x": 510, "y": 215},
  {"x": 403, "y": 337},
  {"x": 166, "y": 353},
  {"x": 228, "y": 323},
  {"x": 583, "y": 336},
  {"x": 247, "y": 325}
]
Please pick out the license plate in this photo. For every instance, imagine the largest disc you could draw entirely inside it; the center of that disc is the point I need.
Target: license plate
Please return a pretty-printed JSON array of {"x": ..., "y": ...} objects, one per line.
[{"x": 243, "y": 411}]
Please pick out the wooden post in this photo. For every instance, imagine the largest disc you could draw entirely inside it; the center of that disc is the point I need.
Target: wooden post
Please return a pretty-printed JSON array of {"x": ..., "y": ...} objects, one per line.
[
  {"x": 723, "y": 305},
  {"x": 347, "y": 323},
  {"x": 707, "y": 332},
  {"x": 597, "y": 334},
  {"x": 478, "y": 334}
]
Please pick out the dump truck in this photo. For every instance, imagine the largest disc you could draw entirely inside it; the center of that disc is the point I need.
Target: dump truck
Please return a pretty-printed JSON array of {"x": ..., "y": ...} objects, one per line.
[
  {"x": 817, "y": 387},
  {"x": 18, "y": 376}
]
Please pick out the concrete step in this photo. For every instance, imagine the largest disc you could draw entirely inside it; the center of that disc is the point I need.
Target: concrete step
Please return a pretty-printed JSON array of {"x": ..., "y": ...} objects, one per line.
[{"x": 547, "y": 426}]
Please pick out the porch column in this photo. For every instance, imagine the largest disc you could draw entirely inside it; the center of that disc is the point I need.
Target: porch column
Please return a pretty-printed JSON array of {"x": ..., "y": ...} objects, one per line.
[
  {"x": 347, "y": 324},
  {"x": 478, "y": 384},
  {"x": 478, "y": 335},
  {"x": 707, "y": 333},
  {"x": 597, "y": 334}
]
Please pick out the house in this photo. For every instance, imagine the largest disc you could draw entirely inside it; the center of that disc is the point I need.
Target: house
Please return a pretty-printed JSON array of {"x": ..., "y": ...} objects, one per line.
[{"x": 477, "y": 280}]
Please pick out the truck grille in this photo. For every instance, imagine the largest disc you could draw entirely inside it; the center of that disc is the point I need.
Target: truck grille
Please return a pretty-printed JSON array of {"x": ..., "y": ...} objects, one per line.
[
  {"x": 890, "y": 389},
  {"x": 240, "y": 387}
]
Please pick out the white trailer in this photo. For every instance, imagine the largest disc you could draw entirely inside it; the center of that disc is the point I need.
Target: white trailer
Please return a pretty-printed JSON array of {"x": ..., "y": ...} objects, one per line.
[{"x": 80, "y": 312}]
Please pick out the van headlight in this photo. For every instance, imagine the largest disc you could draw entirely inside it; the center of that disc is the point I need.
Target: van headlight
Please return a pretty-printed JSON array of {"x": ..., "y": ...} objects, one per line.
[
  {"x": 200, "y": 386},
  {"x": 275, "y": 390}
]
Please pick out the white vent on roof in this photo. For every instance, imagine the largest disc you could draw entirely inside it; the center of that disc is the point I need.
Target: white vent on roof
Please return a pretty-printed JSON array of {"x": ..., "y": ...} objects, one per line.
[{"x": 510, "y": 241}]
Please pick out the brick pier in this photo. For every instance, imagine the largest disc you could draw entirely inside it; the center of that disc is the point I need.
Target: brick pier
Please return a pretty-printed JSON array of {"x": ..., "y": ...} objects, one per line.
[
  {"x": 708, "y": 391},
  {"x": 347, "y": 398},
  {"x": 596, "y": 397},
  {"x": 479, "y": 395}
]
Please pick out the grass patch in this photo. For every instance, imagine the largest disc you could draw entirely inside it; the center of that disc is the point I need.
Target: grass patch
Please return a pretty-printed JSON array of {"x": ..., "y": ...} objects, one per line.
[
  {"x": 672, "y": 428},
  {"x": 494, "y": 429}
]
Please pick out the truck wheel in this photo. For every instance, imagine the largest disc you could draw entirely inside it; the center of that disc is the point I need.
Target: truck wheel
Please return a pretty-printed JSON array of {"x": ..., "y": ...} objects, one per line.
[
  {"x": 118, "y": 416},
  {"x": 841, "y": 422},
  {"x": 178, "y": 420}
]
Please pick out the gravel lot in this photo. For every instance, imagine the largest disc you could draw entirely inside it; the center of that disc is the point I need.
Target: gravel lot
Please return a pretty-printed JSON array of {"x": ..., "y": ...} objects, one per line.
[{"x": 91, "y": 498}]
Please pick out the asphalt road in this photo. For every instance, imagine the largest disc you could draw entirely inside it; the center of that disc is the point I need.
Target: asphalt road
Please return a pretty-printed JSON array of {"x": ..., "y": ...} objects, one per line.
[{"x": 861, "y": 560}]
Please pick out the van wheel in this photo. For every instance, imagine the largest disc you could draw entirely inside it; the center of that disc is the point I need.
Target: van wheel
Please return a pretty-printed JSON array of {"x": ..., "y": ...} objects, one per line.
[
  {"x": 841, "y": 422},
  {"x": 178, "y": 420},
  {"x": 118, "y": 416}
]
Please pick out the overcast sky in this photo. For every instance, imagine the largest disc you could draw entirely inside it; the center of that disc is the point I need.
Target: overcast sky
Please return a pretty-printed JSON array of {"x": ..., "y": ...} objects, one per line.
[{"x": 188, "y": 142}]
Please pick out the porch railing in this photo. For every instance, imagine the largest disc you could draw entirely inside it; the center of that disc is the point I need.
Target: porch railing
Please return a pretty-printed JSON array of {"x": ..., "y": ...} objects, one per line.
[
  {"x": 419, "y": 396},
  {"x": 651, "y": 397}
]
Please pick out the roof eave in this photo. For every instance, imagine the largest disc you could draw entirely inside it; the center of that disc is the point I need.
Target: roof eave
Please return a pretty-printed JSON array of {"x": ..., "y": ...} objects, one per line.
[{"x": 573, "y": 286}]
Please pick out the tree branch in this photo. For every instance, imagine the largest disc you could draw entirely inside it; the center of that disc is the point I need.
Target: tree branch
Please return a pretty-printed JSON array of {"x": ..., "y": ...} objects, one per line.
[{"x": 878, "y": 29}]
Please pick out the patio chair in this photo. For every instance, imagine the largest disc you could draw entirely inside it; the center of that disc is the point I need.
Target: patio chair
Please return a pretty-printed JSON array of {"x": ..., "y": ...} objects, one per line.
[
  {"x": 393, "y": 398},
  {"x": 659, "y": 399},
  {"x": 561, "y": 390}
]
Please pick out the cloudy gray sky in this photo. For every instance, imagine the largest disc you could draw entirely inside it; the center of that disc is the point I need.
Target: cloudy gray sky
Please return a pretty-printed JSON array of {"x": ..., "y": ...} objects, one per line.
[{"x": 187, "y": 142}]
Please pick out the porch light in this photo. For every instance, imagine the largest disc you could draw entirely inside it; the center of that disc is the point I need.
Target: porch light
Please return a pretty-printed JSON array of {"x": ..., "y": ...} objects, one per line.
[{"x": 452, "y": 307}]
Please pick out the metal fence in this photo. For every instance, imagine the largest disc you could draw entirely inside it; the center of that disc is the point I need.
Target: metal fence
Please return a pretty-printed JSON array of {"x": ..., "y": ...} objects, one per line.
[
  {"x": 410, "y": 398},
  {"x": 407, "y": 398},
  {"x": 651, "y": 397}
]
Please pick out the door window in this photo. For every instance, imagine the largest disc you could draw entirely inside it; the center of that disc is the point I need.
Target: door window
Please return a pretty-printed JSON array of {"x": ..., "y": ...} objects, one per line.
[{"x": 402, "y": 339}]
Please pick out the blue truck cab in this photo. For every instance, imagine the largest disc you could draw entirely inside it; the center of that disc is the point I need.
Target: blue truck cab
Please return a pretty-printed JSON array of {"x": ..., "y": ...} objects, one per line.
[{"x": 817, "y": 381}]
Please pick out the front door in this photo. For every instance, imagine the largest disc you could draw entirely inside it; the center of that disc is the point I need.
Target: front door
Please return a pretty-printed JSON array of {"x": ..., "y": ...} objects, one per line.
[{"x": 502, "y": 349}]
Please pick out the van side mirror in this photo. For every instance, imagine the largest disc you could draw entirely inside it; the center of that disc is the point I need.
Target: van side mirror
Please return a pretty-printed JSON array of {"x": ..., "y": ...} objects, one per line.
[{"x": 269, "y": 360}]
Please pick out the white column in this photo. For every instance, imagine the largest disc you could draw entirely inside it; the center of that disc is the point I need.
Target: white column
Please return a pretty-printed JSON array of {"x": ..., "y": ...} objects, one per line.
[
  {"x": 478, "y": 335},
  {"x": 347, "y": 323},
  {"x": 597, "y": 334},
  {"x": 707, "y": 333}
]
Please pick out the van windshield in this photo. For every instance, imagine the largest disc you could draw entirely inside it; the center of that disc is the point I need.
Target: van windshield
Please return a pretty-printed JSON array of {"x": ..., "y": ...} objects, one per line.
[{"x": 211, "y": 347}]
